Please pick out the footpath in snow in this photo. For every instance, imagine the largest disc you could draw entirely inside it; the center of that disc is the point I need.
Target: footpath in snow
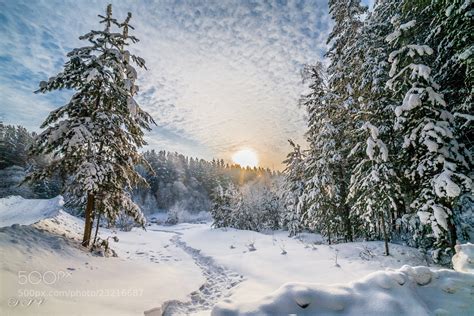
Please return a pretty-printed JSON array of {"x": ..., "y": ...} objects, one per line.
[
  {"x": 195, "y": 269},
  {"x": 219, "y": 282}
]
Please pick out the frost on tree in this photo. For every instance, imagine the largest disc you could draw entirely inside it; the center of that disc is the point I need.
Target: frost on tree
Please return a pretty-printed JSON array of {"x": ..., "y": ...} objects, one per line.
[
  {"x": 434, "y": 161},
  {"x": 95, "y": 137},
  {"x": 374, "y": 191},
  {"x": 452, "y": 33},
  {"x": 329, "y": 105},
  {"x": 322, "y": 196},
  {"x": 222, "y": 210},
  {"x": 293, "y": 196}
]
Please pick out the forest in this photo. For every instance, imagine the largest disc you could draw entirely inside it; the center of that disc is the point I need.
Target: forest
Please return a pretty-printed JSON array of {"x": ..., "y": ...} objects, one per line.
[{"x": 386, "y": 161}]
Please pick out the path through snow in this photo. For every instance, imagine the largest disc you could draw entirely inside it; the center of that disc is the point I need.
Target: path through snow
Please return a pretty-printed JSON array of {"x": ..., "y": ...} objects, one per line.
[{"x": 219, "y": 282}]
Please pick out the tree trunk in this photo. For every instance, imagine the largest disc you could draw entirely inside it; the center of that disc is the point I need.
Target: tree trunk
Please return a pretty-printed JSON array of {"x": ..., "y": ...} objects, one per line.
[
  {"x": 347, "y": 224},
  {"x": 452, "y": 234},
  {"x": 385, "y": 237},
  {"x": 88, "y": 220},
  {"x": 329, "y": 234},
  {"x": 96, "y": 228}
]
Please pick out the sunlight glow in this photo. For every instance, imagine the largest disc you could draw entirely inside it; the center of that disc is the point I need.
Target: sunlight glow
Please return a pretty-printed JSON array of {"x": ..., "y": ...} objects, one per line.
[{"x": 245, "y": 158}]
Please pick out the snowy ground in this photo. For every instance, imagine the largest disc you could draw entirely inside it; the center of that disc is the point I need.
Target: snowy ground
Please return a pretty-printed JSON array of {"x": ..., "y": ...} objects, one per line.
[
  {"x": 148, "y": 271},
  {"x": 181, "y": 269}
]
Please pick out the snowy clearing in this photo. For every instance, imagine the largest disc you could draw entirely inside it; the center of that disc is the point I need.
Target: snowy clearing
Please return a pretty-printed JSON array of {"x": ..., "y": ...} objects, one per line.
[{"x": 189, "y": 268}]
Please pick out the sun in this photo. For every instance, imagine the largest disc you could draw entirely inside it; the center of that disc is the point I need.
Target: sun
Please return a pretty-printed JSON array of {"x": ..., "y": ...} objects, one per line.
[{"x": 245, "y": 158}]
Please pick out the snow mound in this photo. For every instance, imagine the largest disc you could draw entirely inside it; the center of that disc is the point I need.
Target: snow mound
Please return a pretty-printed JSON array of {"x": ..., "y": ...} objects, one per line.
[
  {"x": 406, "y": 291},
  {"x": 463, "y": 260},
  {"x": 17, "y": 210}
]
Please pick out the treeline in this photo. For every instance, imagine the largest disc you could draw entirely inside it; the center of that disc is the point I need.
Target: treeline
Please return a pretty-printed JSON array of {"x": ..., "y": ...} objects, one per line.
[
  {"x": 175, "y": 181},
  {"x": 389, "y": 128},
  {"x": 189, "y": 183},
  {"x": 15, "y": 163}
]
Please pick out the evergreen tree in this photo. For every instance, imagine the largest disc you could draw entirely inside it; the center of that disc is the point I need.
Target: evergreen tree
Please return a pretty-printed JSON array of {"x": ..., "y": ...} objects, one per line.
[
  {"x": 433, "y": 159},
  {"x": 333, "y": 172},
  {"x": 14, "y": 143},
  {"x": 452, "y": 35},
  {"x": 375, "y": 191},
  {"x": 320, "y": 183},
  {"x": 94, "y": 138},
  {"x": 294, "y": 190},
  {"x": 223, "y": 206}
]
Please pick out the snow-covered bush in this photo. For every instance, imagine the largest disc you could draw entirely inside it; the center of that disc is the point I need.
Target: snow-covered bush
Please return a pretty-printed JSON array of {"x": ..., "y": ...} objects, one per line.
[{"x": 463, "y": 260}]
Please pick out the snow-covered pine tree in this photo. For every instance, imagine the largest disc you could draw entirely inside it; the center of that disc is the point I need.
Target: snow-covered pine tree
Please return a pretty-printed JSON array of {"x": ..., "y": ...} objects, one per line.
[
  {"x": 452, "y": 35},
  {"x": 329, "y": 111},
  {"x": 293, "y": 196},
  {"x": 95, "y": 137},
  {"x": 322, "y": 203},
  {"x": 432, "y": 158},
  {"x": 224, "y": 205},
  {"x": 264, "y": 204},
  {"x": 375, "y": 192}
]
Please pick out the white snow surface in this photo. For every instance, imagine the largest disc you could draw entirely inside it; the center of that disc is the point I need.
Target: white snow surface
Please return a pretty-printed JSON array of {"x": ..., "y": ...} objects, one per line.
[
  {"x": 149, "y": 270},
  {"x": 189, "y": 268},
  {"x": 17, "y": 210},
  {"x": 406, "y": 291},
  {"x": 266, "y": 269}
]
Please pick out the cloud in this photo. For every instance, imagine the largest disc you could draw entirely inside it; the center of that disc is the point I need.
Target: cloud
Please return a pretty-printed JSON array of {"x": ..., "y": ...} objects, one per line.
[{"x": 222, "y": 74}]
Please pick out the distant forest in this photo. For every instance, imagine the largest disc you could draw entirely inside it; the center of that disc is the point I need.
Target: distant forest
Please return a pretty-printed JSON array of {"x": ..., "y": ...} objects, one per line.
[{"x": 175, "y": 180}]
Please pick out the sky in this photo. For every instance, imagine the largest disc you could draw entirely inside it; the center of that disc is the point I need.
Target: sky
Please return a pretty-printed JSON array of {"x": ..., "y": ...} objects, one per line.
[{"x": 222, "y": 75}]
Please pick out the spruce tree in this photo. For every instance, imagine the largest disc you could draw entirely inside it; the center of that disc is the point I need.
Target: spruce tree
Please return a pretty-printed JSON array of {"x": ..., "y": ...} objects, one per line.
[
  {"x": 94, "y": 138},
  {"x": 375, "y": 191},
  {"x": 329, "y": 106},
  {"x": 452, "y": 35},
  {"x": 321, "y": 186},
  {"x": 223, "y": 206},
  {"x": 293, "y": 197},
  {"x": 433, "y": 159},
  {"x": 344, "y": 67}
]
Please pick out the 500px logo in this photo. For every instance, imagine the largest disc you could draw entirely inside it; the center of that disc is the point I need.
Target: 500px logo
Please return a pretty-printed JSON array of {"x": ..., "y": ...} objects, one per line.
[
  {"x": 25, "y": 302},
  {"x": 37, "y": 277}
]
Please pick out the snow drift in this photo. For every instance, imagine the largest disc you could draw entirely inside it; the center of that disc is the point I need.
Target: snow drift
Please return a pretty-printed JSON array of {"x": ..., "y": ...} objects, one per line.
[
  {"x": 406, "y": 291},
  {"x": 17, "y": 210}
]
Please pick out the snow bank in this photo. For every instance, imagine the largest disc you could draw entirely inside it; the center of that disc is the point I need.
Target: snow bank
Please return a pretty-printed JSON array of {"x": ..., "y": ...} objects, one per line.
[
  {"x": 463, "y": 260},
  {"x": 17, "y": 210},
  {"x": 406, "y": 291},
  {"x": 148, "y": 271}
]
